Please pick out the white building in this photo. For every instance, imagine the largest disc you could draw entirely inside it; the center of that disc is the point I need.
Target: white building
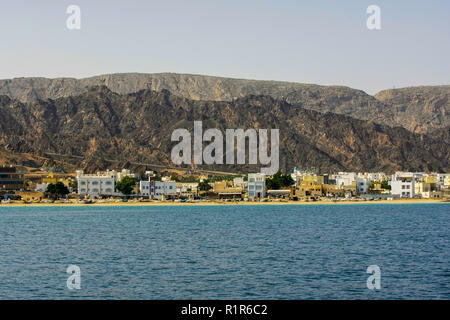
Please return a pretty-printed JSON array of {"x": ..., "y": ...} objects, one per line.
[
  {"x": 238, "y": 182},
  {"x": 362, "y": 185},
  {"x": 443, "y": 180},
  {"x": 157, "y": 189},
  {"x": 123, "y": 173},
  {"x": 144, "y": 188},
  {"x": 376, "y": 176},
  {"x": 41, "y": 187},
  {"x": 256, "y": 186},
  {"x": 345, "y": 178},
  {"x": 298, "y": 175},
  {"x": 187, "y": 188},
  {"x": 99, "y": 184},
  {"x": 403, "y": 184}
]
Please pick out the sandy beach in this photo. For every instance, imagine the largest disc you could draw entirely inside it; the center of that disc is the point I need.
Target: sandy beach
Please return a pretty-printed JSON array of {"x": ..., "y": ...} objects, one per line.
[{"x": 222, "y": 203}]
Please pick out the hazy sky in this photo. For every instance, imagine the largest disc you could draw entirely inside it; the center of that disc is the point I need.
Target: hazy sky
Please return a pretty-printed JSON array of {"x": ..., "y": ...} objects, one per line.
[{"x": 323, "y": 42}]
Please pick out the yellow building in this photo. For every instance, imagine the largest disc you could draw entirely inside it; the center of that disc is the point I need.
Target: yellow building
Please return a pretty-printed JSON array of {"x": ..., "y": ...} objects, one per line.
[
  {"x": 313, "y": 178},
  {"x": 430, "y": 179},
  {"x": 308, "y": 189},
  {"x": 333, "y": 190},
  {"x": 30, "y": 195},
  {"x": 226, "y": 189},
  {"x": 51, "y": 178},
  {"x": 424, "y": 189}
]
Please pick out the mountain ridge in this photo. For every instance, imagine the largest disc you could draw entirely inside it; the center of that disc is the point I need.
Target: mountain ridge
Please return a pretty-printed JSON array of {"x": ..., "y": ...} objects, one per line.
[
  {"x": 337, "y": 99},
  {"x": 136, "y": 127}
]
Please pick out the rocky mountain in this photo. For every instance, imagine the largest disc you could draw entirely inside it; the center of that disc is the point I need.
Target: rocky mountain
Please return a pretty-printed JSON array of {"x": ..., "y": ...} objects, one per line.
[
  {"x": 420, "y": 110},
  {"x": 100, "y": 129}
]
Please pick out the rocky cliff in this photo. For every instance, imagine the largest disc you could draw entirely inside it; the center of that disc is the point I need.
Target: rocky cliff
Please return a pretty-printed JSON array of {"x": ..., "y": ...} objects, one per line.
[
  {"x": 100, "y": 126},
  {"x": 420, "y": 110}
]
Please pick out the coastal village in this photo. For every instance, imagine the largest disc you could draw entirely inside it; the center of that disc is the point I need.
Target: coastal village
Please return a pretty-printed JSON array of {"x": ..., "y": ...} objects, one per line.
[{"x": 300, "y": 185}]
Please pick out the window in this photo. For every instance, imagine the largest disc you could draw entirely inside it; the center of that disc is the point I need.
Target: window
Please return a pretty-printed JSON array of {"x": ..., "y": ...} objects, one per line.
[{"x": 94, "y": 183}]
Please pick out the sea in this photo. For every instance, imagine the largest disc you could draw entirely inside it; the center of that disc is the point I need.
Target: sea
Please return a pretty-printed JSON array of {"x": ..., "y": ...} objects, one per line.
[{"x": 288, "y": 252}]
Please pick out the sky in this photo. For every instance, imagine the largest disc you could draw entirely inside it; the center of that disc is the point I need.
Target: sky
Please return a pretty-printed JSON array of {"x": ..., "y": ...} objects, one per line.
[{"x": 321, "y": 42}]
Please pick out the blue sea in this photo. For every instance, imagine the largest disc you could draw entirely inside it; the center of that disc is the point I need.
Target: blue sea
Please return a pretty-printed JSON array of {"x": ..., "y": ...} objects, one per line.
[{"x": 226, "y": 252}]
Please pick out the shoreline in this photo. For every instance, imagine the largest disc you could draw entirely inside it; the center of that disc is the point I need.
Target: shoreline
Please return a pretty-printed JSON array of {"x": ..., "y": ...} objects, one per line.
[{"x": 222, "y": 203}]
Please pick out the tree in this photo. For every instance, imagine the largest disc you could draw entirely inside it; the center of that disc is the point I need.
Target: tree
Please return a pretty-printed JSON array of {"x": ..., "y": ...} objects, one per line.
[
  {"x": 51, "y": 188},
  {"x": 125, "y": 185},
  {"x": 279, "y": 181},
  {"x": 385, "y": 185},
  {"x": 57, "y": 190},
  {"x": 73, "y": 184},
  {"x": 286, "y": 180},
  {"x": 204, "y": 186}
]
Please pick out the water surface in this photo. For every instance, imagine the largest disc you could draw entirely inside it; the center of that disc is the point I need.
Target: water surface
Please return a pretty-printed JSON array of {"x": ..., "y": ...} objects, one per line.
[{"x": 226, "y": 252}]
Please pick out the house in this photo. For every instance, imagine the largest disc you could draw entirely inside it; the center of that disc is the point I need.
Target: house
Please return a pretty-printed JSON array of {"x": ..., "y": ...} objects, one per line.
[
  {"x": 52, "y": 179},
  {"x": 123, "y": 173},
  {"x": 309, "y": 189},
  {"x": 376, "y": 176},
  {"x": 157, "y": 189},
  {"x": 165, "y": 189},
  {"x": 238, "y": 182},
  {"x": 11, "y": 179},
  {"x": 443, "y": 180},
  {"x": 227, "y": 190},
  {"x": 280, "y": 194},
  {"x": 299, "y": 176},
  {"x": 256, "y": 186},
  {"x": 30, "y": 195},
  {"x": 403, "y": 184},
  {"x": 187, "y": 189},
  {"x": 332, "y": 190},
  {"x": 362, "y": 185},
  {"x": 99, "y": 184},
  {"x": 41, "y": 187},
  {"x": 345, "y": 178},
  {"x": 424, "y": 189}
]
